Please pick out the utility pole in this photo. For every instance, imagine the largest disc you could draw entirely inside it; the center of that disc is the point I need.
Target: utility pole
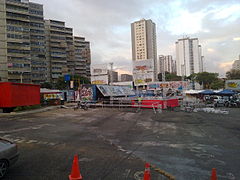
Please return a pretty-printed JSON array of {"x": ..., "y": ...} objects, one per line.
[
  {"x": 111, "y": 73},
  {"x": 111, "y": 80}
]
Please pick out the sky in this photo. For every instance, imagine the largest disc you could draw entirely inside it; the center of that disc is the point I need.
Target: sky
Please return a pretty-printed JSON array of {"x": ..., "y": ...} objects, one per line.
[{"x": 106, "y": 24}]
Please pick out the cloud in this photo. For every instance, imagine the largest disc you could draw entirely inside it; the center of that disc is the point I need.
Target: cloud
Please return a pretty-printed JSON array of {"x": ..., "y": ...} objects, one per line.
[
  {"x": 106, "y": 24},
  {"x": 210, "y": 50},
  {"x": 226, "y": 65},
  {"x": 236, "y": 39}
]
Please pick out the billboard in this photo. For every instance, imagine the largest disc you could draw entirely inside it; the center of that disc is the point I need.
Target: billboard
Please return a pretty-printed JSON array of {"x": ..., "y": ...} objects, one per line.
[
  {"x": 102, "y": 79},
  {"x": 142, "y": 79},
  {"x": 143, "y": 71},
  {"x": 233, "y": 84},
  {"x": 99, "y": 69},
  {"x": 143, "y": 66},
  {"x": 176, "y": 85}
]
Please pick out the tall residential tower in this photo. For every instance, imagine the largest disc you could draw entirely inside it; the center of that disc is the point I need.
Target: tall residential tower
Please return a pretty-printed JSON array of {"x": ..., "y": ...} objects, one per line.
[
  {"x": 189, "y": 57},
  {"x": 22, "y": 42},
  {"x": 144, "y": 46}
]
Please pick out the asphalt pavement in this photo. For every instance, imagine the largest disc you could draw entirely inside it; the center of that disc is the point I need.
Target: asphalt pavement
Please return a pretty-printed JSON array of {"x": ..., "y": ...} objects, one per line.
[{"x": 114, "y": 144}]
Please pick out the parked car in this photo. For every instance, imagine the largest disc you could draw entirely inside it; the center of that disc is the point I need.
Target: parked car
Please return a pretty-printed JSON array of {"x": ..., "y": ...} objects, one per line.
[
  {"x": 8, "y": 155},
  {"x": 218, "y": 101}
]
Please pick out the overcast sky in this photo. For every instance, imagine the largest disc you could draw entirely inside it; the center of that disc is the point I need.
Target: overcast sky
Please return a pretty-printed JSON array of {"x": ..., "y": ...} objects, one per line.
[{"x": 106, "y": 24}]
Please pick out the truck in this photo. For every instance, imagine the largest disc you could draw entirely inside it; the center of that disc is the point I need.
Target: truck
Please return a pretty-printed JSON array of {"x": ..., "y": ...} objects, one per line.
[{"x": 13, "y": 95}]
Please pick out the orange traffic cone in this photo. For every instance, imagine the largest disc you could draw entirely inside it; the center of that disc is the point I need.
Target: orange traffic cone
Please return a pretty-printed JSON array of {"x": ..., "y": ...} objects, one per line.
[
  {"x": 75, "y": 174},
  {"x": 214, "y": 174},
  {"x": 147, "y": 172}
]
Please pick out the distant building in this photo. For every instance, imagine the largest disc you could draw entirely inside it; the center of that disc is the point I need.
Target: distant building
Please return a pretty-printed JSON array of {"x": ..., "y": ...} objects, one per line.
[
  {"x": 189, "y": 57},
  {"x": 167, "y": 64},
  {"x": 126, "y": 77},
  {"x": 66, "y": 54},
  {"x": 236, "y": 64},
  {"x": 82, "y": 60},
  {"x": 114, "y": 76},
  {"x": 144, "y": 44}
]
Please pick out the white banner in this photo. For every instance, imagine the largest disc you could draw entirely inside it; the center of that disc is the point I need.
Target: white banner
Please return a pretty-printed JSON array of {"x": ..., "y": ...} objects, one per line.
[
  {"x": 99, "y": 69},
  {"x": 103, "y": 79}
]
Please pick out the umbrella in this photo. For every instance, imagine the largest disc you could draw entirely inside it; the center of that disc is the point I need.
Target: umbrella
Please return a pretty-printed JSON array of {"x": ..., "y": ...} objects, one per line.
[
  {"x": 226, "y": 92},
  {"x": 207, "y": 92}
]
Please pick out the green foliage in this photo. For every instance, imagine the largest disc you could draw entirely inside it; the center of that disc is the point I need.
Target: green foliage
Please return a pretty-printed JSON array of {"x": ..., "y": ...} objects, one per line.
[
  {"x": 217, "y": 84},
  {"x": 61, "y": 84},
  {"x": 169, "y": 77},
  {"x": 206, "y": 79},
  {"x": 233, "y": 74},
  {"x": 47, "y": 85},
  {"x": 25, "y": 108}
]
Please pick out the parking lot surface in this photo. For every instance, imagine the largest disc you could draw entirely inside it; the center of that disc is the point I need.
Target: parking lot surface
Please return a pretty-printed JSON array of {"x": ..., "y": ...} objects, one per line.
[{"x": 114, "y": 144}]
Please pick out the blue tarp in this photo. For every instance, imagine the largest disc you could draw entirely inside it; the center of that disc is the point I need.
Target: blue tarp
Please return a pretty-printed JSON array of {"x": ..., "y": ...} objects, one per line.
[
  {"x": 207, "y": 92},
  {"x": 226, "y": 92}
]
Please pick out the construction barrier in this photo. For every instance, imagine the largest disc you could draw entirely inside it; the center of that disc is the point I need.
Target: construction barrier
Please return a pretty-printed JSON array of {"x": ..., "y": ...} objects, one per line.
[{"x": 150, "y": 103}]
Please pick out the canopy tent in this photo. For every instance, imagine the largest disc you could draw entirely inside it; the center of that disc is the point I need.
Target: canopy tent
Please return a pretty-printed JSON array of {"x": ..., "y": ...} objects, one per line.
[
  {"x": 207, "y": 92},
  {"x": 191, "y": 91},
  {"x": 226, "y": 92},
  {"x": 115, "y": 91}
]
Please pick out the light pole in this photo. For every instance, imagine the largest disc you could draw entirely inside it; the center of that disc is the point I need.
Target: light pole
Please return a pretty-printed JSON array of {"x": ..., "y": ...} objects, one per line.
[{"x": 111, "y": 73}]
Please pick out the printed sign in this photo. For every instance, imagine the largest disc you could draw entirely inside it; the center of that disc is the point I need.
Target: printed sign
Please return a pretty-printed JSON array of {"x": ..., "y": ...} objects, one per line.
[
  {"x": 233, "y": 84},
  {"x": 99, "y": 79},
  {"x": 177, "y": 85},
  {"x": 99, "y": 69},
  {"x": 143, "y": 71}
]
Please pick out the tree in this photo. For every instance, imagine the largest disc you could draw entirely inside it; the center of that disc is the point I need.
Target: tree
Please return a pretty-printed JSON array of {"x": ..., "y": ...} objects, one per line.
[
  {"x": 206, "y": 79},
  {"x": 169, "y": 77},
  {"x": 47, "y": 85},
  {"x": 217, "y": 84},
  {"x": 61, "y": 84},
  {"x": 233, "y": 74}
]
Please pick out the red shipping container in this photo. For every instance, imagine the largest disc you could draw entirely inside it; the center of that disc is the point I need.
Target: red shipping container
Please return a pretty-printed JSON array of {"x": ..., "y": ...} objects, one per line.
[{"x": 18, "y": 94}]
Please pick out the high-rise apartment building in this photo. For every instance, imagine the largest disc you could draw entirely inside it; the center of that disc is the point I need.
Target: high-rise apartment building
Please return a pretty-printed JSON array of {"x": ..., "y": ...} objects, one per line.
[
  {"x": 236, "y": 64},
  {"x": 82, "y": 56},
  {"x": 167, "y": 64},
  {"x": 144, "y": 44},
  {"x": 37, "y": 43},
  {"x": 22, "y": 42},
  {"x": 34, "y": 50},
  {"x": 15, "y": 57},
  {"x": 56, "y": 46},
  {"x": 189, "y": 57},
  {"x": 126, "y": 77}
]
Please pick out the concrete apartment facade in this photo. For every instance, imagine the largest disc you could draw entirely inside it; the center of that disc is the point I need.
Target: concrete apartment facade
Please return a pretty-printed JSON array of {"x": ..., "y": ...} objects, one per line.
[
  {"x": 56, "y": 49},
  {"x": 144, "y": 44},
  {"x": 82, "y": 57},
  {"x": 34, "y": 50},
  {"x": 189, "y": 57},
  {"x": 15, "y": 57},
  {"x": 37, "y": 44},
  {"x": 167, "y": 64},
  {"x": 126, "y": 77},
  {"x": 22, "y": 42}
]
